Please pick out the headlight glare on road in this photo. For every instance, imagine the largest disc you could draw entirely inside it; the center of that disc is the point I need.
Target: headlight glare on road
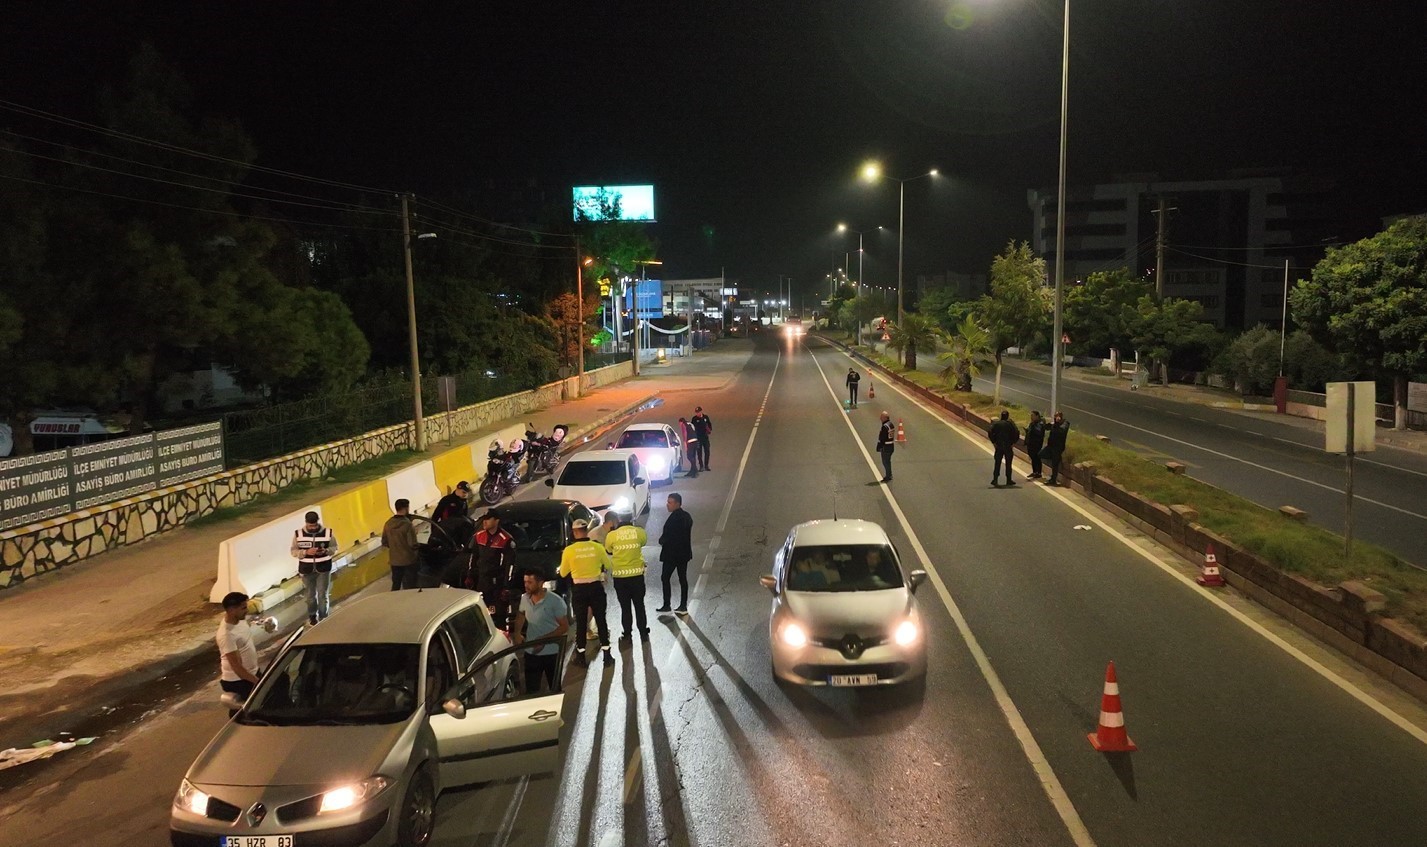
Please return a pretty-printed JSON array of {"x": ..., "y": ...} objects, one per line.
[
  {"x": 794, "y": 635},
  {"x": 340, "y": 799},
  {"x": 907, "y": 633},
  {"x": 621, "y": 505},
  {"x": 191, "y": 799}
]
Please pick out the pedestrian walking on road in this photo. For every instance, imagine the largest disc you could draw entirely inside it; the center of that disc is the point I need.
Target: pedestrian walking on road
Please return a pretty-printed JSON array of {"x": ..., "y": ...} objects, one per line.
[
  {"x": 237, "y": 651},
  {"x": 691, "y": 446},
  {"x": 625, "y": 546},
  {"x": 453, "y": 504},
  {"x": 542, "y": 613},
  {"x": 676, "y": 549},
  {"x": 853, "y": 378},
  {"x": 586, "y": 563},
  {"x": 1035, "y": 439},
  {"x": 313, "y": 547},
  {"x": 703, "y": 428},
  {"x": 1054, "y": 450},
  {"x": 399, "y": 537},
  {"x": 1003, "y": 434},
  {"x": 886, "y": 443}
]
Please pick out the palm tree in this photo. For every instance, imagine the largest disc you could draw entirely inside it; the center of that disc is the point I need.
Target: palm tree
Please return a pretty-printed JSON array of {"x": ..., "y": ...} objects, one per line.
[
  {"x": 970, "y": 348},
  {"x": 915, "y": 332}
]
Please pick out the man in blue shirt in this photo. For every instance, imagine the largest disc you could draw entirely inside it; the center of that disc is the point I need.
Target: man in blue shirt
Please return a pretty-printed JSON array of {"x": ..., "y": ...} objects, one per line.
[{"x": 542, "y": 613}]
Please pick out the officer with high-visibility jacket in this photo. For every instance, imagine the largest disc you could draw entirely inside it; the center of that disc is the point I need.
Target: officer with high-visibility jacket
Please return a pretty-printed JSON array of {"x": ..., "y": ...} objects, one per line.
[
  {"x": 625, "y": 545},
  {"x": 585, "y": 563}
]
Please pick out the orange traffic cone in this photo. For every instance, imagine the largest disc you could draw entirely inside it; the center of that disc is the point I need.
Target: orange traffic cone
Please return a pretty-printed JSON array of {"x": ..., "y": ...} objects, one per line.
[
  {"x": 871, "y": 391},
  {"x": 1209, "y": 571},
  {"x": 901, "y": 432},
  {"x": 1110, "y": 736}
]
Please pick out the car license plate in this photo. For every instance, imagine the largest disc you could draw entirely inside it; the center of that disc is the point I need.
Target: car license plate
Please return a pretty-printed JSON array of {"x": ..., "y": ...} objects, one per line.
[
  {"x": 257, "y": 841},
  {"x": 852, "y": 679}
]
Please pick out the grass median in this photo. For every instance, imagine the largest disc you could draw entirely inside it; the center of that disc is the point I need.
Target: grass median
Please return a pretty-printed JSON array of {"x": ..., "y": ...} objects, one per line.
[{"x": 1303, "y": 549}]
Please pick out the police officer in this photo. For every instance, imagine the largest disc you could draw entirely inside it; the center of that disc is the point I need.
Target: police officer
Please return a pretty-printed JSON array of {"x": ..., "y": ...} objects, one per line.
[
  {"x": 1004, "y": 435},
  {"x": 495, "y": 564},
  {"x": 625, "y": 544},
  {"x": 853, "y": 378},
  {"x": 313, "y": 547},
  {"x": 453, "y": 504},
  {"x": 585, "y": 563},
  {"x": 703, "y": 428},
  {"x": 886, "y": 443}
]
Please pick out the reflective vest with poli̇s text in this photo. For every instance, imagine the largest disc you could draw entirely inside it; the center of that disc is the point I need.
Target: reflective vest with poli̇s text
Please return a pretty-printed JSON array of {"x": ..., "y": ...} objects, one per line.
[{"x": 626, "y": 548}]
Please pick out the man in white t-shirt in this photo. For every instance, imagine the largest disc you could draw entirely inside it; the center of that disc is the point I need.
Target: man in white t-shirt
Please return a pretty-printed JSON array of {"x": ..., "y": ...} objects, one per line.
[{"x": 238, "y": 652}]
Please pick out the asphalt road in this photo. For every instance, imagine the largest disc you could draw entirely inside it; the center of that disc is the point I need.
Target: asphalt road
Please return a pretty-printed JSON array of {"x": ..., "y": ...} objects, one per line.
[
  {"x": 1269, "y": 462},
  {"x": 690, "y": 742}
]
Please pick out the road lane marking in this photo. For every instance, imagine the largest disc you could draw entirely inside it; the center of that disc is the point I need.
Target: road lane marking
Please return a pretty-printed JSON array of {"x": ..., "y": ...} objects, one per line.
[
  {"x": 1050, "y": 783},
  {"x": 1322, "y": 670},
  {"x": 1211, "y": 451}
]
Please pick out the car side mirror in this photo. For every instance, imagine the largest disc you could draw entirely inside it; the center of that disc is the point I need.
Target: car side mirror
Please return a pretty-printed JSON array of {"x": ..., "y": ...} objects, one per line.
[
  {"x": 550, "y": 483},
  {"x": 918, "y": 577},
  {"x": 455, "y": 708},
  {"x": 638, "y": 481},
  {"x": 769, "y": 582},
  {"x": 231, "y": 700}
]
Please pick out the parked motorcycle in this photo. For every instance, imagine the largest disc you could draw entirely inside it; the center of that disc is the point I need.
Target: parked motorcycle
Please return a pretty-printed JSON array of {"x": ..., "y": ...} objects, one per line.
[
  {"x": 502, "y": 471},
  {"x": 543, "y": 456}
]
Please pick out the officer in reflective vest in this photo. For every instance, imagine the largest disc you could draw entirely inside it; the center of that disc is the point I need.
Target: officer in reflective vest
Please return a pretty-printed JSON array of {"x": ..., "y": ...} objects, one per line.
[
  {"x": 313, "y": 547},
  {"x": 625, "y": 544}
]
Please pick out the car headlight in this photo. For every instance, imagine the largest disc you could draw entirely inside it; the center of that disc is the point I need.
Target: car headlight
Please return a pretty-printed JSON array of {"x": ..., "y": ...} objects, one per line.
[
  {"x": 907, "y": 633},
  {"x": 794, "y": 635},
  {"x": 341, "y": 799},
  {"x": 191, "y": 799},
  {"x": 658, "y": 463},
  {"x": 621, "y": 505}
]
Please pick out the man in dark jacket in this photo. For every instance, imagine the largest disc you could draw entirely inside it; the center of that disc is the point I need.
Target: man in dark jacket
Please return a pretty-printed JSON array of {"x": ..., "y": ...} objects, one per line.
[
  {"x": 399, "y": 538},
  {"x": 703, "y": 428},
  {"x": 1055, "y": 446},
  {"x": 454, "y": 503},
  {"x": 495, "y": 565},
  {"x": 1003, "y": 434},
  {"x": 886, "y": 443},
  {"x": 676, "y": 548},
  {"x": 853, "y": 378},
  {"x": 1035, "y": 439}
]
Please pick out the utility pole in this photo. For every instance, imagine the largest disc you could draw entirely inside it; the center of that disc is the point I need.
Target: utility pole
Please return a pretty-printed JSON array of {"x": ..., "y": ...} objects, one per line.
[
  {"x": 1163, "y": 212},
  {"x": 1283, "y": 323},
  {"x": 579, "y": 320},
  {"x": 419, "y": 425}
]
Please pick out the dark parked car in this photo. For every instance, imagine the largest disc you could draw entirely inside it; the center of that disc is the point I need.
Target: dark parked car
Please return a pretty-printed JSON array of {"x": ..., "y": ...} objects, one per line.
[{"x": 541, "y": 529}]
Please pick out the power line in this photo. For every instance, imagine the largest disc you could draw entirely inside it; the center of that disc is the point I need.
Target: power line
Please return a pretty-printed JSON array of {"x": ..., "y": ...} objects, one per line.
[
  {"x": 460, "y": 214},
  {"x": 1264, "y": 247},
  {"x": 1236, "y": 264},
  {"x": 174, "y": 148}
]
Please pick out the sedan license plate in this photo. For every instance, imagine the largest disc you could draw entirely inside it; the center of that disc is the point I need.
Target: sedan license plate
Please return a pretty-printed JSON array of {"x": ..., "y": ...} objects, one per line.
[
  {"x": 257, "y": 841},
  {"x": 852, "y": 679}
]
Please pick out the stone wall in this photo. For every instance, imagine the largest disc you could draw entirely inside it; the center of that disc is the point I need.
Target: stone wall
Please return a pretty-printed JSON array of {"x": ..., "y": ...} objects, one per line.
[{"x": 29, "y": 551}]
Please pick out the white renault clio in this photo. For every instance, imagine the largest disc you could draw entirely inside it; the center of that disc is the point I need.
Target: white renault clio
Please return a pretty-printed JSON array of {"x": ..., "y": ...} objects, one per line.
[
  {"x": 363, "y": 720},
  {"x": 844, "y": 611}
]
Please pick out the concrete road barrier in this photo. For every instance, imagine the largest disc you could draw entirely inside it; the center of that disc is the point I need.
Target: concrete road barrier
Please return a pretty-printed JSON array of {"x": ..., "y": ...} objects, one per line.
[
  {"x": 416, "y": 483},
  {"x": 256, "y": 560}
]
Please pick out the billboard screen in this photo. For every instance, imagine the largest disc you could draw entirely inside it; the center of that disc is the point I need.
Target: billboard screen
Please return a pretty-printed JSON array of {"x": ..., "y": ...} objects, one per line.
[{"x": 636, "y": 202}]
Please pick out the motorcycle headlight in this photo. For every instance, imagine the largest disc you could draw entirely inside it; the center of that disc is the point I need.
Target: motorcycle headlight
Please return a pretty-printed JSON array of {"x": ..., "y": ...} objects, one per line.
[
  {"x": 621, "y": 505},
  {"x": 907, "y": 633},
  {"x": 794, "y": 635},
  {"x": 341, "y": 799},
  {"x": 191, "y": 799}
]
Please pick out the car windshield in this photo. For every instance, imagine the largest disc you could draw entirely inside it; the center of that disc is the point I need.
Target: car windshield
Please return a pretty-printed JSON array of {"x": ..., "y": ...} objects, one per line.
[
  {"x": 643, "y": 438},
  {"x": 593, "y": 473},
  {"x": 847, "y": 567},
  {"x": 544, "y": 533},
  {"x": 334, "y": 684}
]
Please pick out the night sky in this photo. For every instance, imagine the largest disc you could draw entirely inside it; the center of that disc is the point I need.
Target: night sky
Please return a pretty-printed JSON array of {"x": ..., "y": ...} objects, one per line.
[{"x": 751, "y": 119}]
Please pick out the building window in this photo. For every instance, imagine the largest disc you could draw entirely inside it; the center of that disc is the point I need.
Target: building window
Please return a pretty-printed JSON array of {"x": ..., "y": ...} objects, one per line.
[
  {"x": 1194, "y": 276},
  {"x": 1271, "y": 299},
  {"x": 1208, "y": 301},
  {"x": 1083, "y": 230}
]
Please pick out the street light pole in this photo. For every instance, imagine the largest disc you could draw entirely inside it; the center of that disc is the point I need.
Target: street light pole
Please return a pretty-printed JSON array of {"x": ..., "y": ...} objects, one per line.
[
  {"x": 418, "y": 424},
  {"x": 901, "y": 229},
  {"x": 1058, "y": 330},
  {"x": 579, "y": 320}
]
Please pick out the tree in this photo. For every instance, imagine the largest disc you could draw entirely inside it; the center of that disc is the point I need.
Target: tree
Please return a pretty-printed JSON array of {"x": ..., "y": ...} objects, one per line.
[
  {"x": 943, "y": 306},
  {"x": 1164, "y": 328},
  {"x": 1252, "y": 361},
  {"x": 1368, "y": 300},
  {"x": 967, "y": 348},
  {"x": 915, "y": 332},
  {"x": 1015, "y": 310},
  {"x": 865, "y": 308},
  {"x": 1100, "y": 312}
]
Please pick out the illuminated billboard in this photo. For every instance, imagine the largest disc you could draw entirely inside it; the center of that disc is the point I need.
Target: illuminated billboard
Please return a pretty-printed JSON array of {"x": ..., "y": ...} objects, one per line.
[{"x": 635, "y": 202}]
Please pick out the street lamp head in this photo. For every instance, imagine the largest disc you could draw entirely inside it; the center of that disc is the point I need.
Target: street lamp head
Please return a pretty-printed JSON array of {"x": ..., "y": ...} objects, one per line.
[
  {"x": 426, "y": 235},
  {"x": 842, "y": 227},
  {"x": 934, "y": 172},
  {"x": 871, "y": 171},
  {"x": 588, "y": 261}
]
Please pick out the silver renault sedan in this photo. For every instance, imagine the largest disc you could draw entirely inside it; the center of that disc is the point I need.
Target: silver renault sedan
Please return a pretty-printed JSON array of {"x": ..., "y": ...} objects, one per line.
[
  {"x": 844, "y": 612},
  {"x": 362, "y": 721}
]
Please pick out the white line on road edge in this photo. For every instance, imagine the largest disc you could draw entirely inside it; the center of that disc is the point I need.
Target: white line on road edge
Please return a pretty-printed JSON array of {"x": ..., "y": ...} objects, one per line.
[
  {"x": 1322, "y": 670},
  {"x": 1233, "y": 458},
  {"x": 1038, "y": 761},
  {"x": 633, "y": 769}
]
